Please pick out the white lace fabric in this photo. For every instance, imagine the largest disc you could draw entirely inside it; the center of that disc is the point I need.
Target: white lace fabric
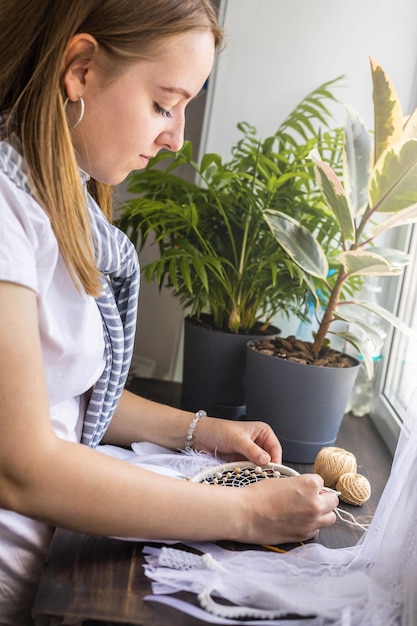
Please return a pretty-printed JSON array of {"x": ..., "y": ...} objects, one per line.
[{"x": 373, "y": 583}]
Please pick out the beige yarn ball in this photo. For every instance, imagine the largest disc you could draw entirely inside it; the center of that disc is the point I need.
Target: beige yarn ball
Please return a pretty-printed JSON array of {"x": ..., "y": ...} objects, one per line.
[
  {"x": 354, "y": 488},
  {"x": 331, "y": 462}
]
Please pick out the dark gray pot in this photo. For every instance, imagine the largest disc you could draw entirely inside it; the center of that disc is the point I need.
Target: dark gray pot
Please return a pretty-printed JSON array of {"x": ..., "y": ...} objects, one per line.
[
  {"x": 214, "y": 369},
  {"x": 304, "y": 404}
]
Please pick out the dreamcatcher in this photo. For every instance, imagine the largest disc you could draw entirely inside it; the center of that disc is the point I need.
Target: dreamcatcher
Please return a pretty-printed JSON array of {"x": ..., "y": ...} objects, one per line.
[{"x": 241, "y": 473}]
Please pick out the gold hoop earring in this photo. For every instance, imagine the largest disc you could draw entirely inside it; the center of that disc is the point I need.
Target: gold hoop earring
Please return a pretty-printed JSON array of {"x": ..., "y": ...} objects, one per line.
[{"x": 82, "y": 109}]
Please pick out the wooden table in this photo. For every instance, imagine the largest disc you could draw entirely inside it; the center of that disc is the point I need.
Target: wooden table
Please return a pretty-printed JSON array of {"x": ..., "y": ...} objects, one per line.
[{"x": 93, "y": 580}]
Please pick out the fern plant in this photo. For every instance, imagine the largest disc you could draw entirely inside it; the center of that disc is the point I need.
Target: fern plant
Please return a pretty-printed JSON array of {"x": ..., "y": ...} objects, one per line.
[{"x": 216, "y": 250}]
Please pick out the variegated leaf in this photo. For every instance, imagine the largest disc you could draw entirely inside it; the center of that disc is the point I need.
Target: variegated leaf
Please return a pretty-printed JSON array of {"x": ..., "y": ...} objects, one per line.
[
  {"x": 388, "y": 116},
  {"x": 406, "y": 216},
  {"x": 389, "y": 317},
  {"x": 357, "y": 158},
  {"x": 410, "y": 126},
  {"x": 393, "y": 183},
  {"x": 350, "y": 314},
  {"x": 335, "y": 198},
  {"x": 360, "y": 345},
  {"x": 396, "y": 258},
  {"x": 298, "y": 243},
  {"x": 363, "y": 263}
]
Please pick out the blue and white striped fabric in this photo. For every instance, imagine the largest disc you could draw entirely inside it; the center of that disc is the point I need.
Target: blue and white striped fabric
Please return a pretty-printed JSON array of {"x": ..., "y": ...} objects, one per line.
[{"x": 117, "y": 261}]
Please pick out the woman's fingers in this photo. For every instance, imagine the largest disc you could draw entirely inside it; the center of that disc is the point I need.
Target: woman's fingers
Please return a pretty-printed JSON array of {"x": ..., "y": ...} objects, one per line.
[{"x": 290, "y": 509}]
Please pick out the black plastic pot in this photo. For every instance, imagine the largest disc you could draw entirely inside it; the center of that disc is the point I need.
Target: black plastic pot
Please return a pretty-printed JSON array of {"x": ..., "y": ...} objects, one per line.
[
  {"x": 304, "y": 404},
  {"x": 214, "y": 369}
]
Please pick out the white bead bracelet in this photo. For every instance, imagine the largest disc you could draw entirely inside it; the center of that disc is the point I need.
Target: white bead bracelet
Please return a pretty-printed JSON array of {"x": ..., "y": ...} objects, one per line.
[{"x": 190, "y": 434}]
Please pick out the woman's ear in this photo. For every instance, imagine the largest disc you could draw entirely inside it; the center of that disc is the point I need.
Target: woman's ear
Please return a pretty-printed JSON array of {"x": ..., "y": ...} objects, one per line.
[{"x": 77, "y": 63}]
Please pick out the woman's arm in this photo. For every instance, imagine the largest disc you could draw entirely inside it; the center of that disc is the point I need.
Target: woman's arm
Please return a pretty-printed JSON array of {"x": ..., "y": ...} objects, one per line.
[
  {"x": 138, "y": 419},
  {"x": 72, "y": 486}
]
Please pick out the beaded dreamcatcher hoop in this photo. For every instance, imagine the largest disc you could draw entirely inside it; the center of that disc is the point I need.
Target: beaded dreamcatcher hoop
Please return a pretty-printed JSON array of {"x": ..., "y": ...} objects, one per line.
[{"x": 241, "y": 473}]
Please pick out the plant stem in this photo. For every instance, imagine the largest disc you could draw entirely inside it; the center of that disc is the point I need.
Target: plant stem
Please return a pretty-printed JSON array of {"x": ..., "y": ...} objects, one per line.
[
  {"x": 328, "y": 314},
  {"x": 242, "y": 259}
]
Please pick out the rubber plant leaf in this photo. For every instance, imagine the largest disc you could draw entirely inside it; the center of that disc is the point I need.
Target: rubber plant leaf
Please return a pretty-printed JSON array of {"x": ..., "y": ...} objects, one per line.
[
  {"x": 335, "y": 197},
  {"x": 365, "y": 263},
  {"x": 406, "y": 216},
  {"x": 393, "y": 182},
  {"x": 410, "y": 126},
  {"x": 370, "y": 343},
  {"x": 388, "y": 317},
  {"x": 374, "y": 335},
  {"x": 396, "y": 258},
  {"x": 357, "y": 161},
  {"x": 361, "y": 346},
  {"x": 298, "y": 243},
  {"x": 388, "y": 116}
]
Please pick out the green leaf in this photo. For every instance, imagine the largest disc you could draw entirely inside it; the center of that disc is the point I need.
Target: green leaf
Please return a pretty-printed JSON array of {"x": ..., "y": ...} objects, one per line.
[
  {"x": 388, "y": 317},
  {"x": 388, "y": 116},
  {"x": 393, "y": 183},
  {"x": 200, "y": 269},
  {"x": 396, "y": 258},
  {"x": 410, "y": 126},
  {"x": 172, "y": 273},
  {"x": 186, "y": 151},
  {"x": 405, "y": 216},
  {"x": 335, "y": 197},
  {"x": 298, "y": 243},
  {"x": 185, "y": 273},
  {"x": 357, "y": 161},
  {"x": 358, "y": 343},
  {"x": 349, "y": 313},
  {"x": 363, "y": 263},
  {"x": 208, "y": 160}
]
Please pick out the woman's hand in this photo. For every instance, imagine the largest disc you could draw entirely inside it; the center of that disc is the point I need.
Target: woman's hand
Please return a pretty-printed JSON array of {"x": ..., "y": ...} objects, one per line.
[
  {"x": 254, "y": 441},
  {"x": 287, "y": 510},
  {"x": 139, "y": 419}
]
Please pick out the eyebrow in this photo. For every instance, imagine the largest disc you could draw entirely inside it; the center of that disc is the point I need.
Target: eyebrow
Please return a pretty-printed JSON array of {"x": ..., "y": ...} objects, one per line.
[{"x": 178, "y": 90}]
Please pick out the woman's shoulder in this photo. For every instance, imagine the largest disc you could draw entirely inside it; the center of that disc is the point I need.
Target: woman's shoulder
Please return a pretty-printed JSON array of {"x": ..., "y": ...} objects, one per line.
[
  {"x": 18, "y": 207},
  {"x": 27, "y": 240}
]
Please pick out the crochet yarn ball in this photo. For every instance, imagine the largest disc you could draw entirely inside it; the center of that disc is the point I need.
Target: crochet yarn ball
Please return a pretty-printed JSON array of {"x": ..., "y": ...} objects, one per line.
[
  {"x": 332, "y": 462},
  {"x": 354, "y": 488}
]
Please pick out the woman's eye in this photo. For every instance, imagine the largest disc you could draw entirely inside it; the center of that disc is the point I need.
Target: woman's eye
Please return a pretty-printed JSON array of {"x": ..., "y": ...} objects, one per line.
[{"x": 158, "y": 109}]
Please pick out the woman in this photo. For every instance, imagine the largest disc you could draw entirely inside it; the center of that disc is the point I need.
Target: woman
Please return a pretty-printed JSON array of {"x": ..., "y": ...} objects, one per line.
[{"x": 92, "y": 91}]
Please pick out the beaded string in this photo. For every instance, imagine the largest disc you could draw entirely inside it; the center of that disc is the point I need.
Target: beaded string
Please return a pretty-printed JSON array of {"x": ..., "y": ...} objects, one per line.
[{"x": 190, "y": 433}]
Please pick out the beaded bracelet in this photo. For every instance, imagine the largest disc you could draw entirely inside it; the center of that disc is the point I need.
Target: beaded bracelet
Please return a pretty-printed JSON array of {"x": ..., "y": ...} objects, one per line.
[{"x": 189, "y": 437}]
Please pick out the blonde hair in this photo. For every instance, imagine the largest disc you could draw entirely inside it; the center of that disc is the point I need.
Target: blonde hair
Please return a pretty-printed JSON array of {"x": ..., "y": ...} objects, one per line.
[{"x": 32, "y": 95}]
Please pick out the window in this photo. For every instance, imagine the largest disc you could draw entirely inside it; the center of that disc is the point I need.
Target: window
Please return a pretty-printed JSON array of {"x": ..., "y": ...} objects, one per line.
[{"x": 397, "y": 378}]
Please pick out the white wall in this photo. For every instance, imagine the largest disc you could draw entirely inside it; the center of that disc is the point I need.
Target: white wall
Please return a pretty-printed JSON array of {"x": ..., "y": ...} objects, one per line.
[
  {"x": 280, "y": 50},
  {"x": 277, "y": 52}
]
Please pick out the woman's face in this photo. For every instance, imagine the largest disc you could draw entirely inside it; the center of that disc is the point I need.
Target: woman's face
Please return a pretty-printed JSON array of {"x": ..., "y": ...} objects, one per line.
[{"x": 130, "y": 118}]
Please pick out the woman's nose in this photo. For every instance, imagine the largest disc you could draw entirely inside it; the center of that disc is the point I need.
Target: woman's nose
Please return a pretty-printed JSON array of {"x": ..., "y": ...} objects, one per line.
[{"x": 172, "y": 138}]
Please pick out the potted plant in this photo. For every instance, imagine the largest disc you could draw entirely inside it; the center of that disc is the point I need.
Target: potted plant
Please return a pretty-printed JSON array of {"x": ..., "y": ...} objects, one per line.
[
  {"x": 379, "y": 193},
  {"x": 216, "y": 250}
]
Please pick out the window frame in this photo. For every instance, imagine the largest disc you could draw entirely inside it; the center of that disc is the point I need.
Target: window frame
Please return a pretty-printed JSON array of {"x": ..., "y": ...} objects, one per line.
[{"x": 397, "y": 295}]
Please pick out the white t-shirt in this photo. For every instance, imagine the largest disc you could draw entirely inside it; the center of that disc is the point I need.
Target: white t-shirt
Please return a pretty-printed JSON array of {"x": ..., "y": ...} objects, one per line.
[{"x": 72, "y": 340}]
